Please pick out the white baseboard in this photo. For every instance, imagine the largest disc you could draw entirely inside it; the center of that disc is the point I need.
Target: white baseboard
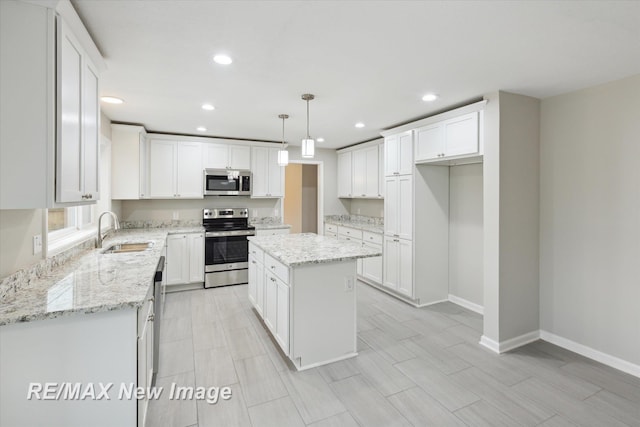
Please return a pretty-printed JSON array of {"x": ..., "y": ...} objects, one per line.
[
  {"x": 466, "y": 304},
  {"x": 591, "y": 353},
  {"x": 510, "y": 344}
]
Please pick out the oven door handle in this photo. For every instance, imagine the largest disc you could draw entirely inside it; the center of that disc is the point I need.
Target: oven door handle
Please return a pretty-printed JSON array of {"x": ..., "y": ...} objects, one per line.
[{"x": 229, "y": 233}]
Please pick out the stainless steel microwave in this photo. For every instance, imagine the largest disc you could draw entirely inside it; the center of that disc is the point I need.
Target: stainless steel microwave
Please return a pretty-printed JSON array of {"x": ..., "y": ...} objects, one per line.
[{"x": 227, "y": 182}]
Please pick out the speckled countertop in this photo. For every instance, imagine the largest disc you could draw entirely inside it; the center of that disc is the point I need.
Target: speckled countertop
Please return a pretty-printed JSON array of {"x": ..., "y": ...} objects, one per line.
[
  {"x": 270, "y": 226},
  {"x": 93, "y": 282},
  {"x": 358, "y": 225},
  {"x": 308, "y": 248}
]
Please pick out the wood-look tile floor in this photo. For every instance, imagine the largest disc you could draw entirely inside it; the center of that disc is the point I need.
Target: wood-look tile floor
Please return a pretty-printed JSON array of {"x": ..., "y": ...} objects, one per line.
[{"x": 421, "y": 367}]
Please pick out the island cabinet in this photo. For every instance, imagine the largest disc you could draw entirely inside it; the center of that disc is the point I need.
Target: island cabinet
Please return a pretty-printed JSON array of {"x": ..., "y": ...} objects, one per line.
[{"x": 304, "y": 290}]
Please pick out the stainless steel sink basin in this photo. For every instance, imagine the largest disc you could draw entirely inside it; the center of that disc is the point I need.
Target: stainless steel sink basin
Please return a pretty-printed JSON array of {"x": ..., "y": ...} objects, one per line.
[{"x": 128, "y": 247}]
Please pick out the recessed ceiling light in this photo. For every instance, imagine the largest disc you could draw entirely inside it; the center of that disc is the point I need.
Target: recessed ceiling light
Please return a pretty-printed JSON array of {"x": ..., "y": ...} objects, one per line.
[
  {"x": 222, "y": 59},
  {"x": 430, "y": 97},
  {"x": 201, "y": 129},
  {"x": 359, "y": 125},
  {"x": 320, "y": 139},
  {"x": 111, "y": 100},
  {"x": 208, "y": 107}
]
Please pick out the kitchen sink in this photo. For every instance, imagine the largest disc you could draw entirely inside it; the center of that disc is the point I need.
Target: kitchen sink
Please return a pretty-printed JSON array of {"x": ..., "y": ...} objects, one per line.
[{"x": 128, "y": 247}]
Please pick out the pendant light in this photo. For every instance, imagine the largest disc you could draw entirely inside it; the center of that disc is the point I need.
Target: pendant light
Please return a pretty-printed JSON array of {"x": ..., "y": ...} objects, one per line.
[
  {"x": 307, "y": 143},
  {"x": 283, "y": 154}
]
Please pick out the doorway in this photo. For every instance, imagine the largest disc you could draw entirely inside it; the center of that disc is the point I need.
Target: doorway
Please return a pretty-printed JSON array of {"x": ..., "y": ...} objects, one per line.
[{"x": 302, "y": 196}]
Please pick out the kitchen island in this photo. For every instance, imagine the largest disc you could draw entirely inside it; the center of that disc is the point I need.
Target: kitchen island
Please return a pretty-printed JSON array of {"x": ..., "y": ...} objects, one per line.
[{"x": 303, "y": 287}]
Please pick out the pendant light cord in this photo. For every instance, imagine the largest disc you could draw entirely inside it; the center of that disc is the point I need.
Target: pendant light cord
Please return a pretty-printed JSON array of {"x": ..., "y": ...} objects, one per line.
[{"x": 308, "y": 136}]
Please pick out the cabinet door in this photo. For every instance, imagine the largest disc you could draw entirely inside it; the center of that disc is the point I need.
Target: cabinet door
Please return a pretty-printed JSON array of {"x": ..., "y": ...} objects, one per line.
[
  {"x": 144, "y": 167},
  {"x": 461, "y": 135},
  {"x": 381, "y": 174},
  {"x": 371, "y": 175},
  {"x": 390, "y": 271},
  {"x": 276, "y": 175},
  {"x": 196, "y": 257},
  {"x": 359, "y": 173},
  {"x": 177, "y": 263},
  {"x": 189, "y": 171},
  {"x": 391, "y": 155},
  {"x": 90, "y": 127},
  {"x": 372, "y": 267},
  {"x": 282, "y": 317},
  {"x": 216, "y": 156},
  {"x": 260, "y": 170},
  {"x": 405, "y": 269},
  {"x": 391, "y": 198},
  {"x": 162, "y": 169},
  {"x": 405, "y": 153},
  {"x": 69, "y": 144},
  {"x": 430, "y": 142},
  {"x": 253, "y": 270},
  {"x": 260, "y": 282},
  {"x": 345, "y": 175},
  {"x": 240, "y": 157},
  {"x": 404, "y": 207},
  {"x": 271, "y": 302}
]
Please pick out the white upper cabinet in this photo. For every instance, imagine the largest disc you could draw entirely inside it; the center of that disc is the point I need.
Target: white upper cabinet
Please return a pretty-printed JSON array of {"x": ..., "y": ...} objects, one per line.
[
  {"x": 398, "y": 154},
  {"x": 267, "y": 176},
  {"x": 345, "y": 173},
  {"x": 51, "y": 65},
  {"x": 175, "y": 169},
  {"x": 456, "y": 137},
  {"x": 129, "y": 160},
  {"x": 227, "y": 156},
  {"x": 359, "y": 173}
]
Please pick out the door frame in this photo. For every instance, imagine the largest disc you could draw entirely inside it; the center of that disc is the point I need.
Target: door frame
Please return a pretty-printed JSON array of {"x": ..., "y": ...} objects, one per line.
[{"x": 320, "y": 187}]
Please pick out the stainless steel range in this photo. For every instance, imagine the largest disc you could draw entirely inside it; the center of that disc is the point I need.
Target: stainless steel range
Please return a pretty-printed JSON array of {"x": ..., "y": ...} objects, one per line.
[{"x": 226, "y": 253}]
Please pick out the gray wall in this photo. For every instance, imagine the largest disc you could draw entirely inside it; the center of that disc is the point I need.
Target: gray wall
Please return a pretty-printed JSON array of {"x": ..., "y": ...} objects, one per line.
[
  {"x": 466, "y": 233},
  {"x": 590, "y": 217},
  {"x": 17, "y": 228}
]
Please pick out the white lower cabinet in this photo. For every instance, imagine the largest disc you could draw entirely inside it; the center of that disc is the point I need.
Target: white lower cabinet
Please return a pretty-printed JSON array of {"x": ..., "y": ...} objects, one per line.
[
  {"x": 269, "y": 294},
  {"x": 185, "y": 258},
  {"x": 372, "y": 267},
  {"x": 397, "y": 271}
]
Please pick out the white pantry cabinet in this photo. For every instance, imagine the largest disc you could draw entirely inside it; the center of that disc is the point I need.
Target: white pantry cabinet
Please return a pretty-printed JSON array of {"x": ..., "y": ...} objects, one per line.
[
  {"x": 398, "y": 206},
  {"x": 129, "y": 152},
  {"x": 175, "y": 169},
  {"x": 50, "y": 64},
  {"x": 227, "y": 156},
  {"x": 267, "y": 175},
  {"x": 185, "y": 258},
  {"x": 457, "y": 137},
  {"x": 398, "y": 154},
  {"x": 398, "y": 265}
]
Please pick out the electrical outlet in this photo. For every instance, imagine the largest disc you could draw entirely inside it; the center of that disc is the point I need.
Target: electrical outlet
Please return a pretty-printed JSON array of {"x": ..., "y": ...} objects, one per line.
[
  {"x": 348, "y": 284},
  {"x": 176, "y": 215},
  {"x": 37, "y": 244}
]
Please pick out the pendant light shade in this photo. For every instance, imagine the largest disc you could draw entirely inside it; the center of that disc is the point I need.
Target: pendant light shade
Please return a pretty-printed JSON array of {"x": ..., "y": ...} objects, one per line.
[
  {"x": 283, "y": 154},
  {"x": 308, "y": 149}
]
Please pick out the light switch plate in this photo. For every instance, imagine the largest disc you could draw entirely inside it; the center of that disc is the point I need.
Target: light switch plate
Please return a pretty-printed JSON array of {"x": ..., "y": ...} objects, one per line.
[
  {"x": 348, "y": 284},
  {"x": 37, "y": 244}
]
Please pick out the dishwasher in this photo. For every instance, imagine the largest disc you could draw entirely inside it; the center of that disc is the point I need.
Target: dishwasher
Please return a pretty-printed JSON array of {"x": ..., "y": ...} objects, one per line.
[{"x": 158, "y": 308}]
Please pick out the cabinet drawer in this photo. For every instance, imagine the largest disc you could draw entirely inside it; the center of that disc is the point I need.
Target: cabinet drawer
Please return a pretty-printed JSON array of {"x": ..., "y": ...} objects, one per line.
[
  {"x": 256, "y": 252},
  {"x": 369, "y": 237},
  {"x": 331, "y": 228},
  {"x": 277, "y": 268},
  {"x": 329, "y": 234},
  {"x": 350, "y": 232}
]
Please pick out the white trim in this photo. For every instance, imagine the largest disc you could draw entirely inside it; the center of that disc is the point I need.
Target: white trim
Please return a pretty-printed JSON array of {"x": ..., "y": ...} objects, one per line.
[
  {"x": 325, "y": 362},
  {"x": 510, "y": 344},
  {"x": 427, "y": 304},
  {"x": 73, "y": 239},
  {"x": 490, "y": 344},
  {"x": 477, "y": 308},
  {"x": 591, "y": 353}
]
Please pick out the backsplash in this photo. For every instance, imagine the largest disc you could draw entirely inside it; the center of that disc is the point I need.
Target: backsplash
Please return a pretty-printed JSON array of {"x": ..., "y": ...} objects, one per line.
[
  {"x": 161, "y": 223},
  {"x": 12, "y": 283},
  {"x": 265, "y": 220},
  {"x": 355, "y": 218}
]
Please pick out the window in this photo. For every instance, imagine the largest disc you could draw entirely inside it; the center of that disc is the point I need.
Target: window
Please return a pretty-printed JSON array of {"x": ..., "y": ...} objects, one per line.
[{"x": 64, "y": 222}]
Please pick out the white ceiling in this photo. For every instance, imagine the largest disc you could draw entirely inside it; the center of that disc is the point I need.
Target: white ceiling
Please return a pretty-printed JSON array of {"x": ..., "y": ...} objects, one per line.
[{"x": 368, "y": 61}]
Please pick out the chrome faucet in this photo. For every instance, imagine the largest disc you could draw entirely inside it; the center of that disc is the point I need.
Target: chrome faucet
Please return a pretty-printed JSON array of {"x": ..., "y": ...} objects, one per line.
[{"x": 116, "y": 226}]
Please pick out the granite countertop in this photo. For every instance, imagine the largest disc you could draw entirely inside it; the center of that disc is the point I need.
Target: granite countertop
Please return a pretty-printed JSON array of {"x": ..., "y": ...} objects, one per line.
[
  {"x": 93, "y": 282},
  {"x": 308, "y": 248},
  {"x": 270, "y": 226},
  {"x": 359, "y": 225}
]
